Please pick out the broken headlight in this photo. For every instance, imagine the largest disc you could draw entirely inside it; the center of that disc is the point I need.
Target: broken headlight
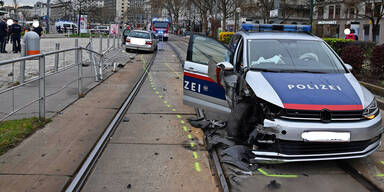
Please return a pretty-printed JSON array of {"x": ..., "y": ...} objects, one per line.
[{"x": 371, "y": 111}]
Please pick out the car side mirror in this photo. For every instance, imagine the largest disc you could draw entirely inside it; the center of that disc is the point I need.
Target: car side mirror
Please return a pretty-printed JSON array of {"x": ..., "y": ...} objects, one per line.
[
  {"x": 225, "y": 66},
  {"x": 349, "y": 67}
]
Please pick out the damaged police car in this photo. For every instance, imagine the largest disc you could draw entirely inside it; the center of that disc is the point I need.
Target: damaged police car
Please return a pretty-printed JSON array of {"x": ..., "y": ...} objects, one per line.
[{"x": 286, "y": 93}]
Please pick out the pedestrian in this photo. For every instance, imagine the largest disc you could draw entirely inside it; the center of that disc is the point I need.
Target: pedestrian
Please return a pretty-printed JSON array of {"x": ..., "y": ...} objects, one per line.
[
  {"x": 15, "y": 32},
  {"x": 3, "y": 35},
  {"x": 38, "y": 30},
  {"x": 126, "y": 32},
  {"x": 351, "y": 35}
]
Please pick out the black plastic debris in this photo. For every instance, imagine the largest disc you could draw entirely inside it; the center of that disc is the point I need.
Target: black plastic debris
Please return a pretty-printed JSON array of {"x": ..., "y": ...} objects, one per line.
[
  {"x": 239, "y": 156},
  {"x": 206, "y": 124},
  {"x": 216, "y": 139},
  {"x": 125, "y": 119},
  {"x": 273, "y": 185}
]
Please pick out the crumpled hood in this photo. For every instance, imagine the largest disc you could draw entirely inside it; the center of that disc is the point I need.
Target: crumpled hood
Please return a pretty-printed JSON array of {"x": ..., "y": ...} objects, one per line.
[{"x": 307, "y": 91}]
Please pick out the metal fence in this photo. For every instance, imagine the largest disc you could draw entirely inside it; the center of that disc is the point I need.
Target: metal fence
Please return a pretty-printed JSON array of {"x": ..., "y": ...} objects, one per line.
[{"x": 101, "y": 65}]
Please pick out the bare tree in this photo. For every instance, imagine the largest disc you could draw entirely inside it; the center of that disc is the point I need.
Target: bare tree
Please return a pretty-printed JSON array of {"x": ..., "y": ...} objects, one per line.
[
  {"x": 205, "y": 7},
  {"x": 174, "y": 9},
  {"x": 78, "y": 7},
  {"x": 374, "y": 11}
]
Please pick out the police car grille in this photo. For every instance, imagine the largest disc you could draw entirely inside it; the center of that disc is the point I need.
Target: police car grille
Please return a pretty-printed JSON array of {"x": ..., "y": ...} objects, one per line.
[
  {"x": 316, "y": 115},
  {"x": 307, "y": 148}
]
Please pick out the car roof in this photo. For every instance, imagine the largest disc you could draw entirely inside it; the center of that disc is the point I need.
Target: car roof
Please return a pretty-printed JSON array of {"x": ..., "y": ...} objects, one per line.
[
  {"x": 142, "y": 31},
  {"x": 279, "y": 35}
]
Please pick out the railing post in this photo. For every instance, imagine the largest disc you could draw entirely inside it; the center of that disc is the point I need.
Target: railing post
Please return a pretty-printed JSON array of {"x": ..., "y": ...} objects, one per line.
[
  {"x": 101, "y": 67},
  {"x": 22, "y": 63},
  {"x": 57, "y": 56},
  {"x": 108, "y": 43},
  {"x": 42, "y": 87},
  {"x": 114, "y": 41},
  {"x": 79, "y": 68},
  {"x": 101, "y": 44}
]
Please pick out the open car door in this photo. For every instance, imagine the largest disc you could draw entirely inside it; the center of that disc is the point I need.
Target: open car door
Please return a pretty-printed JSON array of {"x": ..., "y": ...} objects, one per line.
[{"x": 201, "y": 89}]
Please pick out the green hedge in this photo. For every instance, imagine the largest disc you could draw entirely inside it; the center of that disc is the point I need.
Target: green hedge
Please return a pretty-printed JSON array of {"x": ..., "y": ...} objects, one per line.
[{"x": 337, "y": 44}]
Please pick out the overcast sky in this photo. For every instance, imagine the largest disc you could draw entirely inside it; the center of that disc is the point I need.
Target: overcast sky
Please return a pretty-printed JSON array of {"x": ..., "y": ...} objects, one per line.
[{"x": 23, "y": 2}]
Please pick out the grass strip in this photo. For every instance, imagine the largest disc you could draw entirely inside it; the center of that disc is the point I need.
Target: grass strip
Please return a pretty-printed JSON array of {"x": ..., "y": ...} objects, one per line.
[{"x": 12, "y": 132}]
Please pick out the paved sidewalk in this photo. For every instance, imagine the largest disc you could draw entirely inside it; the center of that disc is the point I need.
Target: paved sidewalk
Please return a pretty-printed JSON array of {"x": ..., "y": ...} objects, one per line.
[{"x": 48, "y": 159}]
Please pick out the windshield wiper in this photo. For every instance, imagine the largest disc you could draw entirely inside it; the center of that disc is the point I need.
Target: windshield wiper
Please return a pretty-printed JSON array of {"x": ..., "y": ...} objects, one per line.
[
  {"x": 287, "y": 71},
  {"x": 265, "y": 70}
]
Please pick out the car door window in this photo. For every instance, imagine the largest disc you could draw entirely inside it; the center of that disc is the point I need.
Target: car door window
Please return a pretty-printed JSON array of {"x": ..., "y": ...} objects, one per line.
[
  {"x": 239, "y": 56},
  {"x": 204, "y": 48},
  {"x": 233, "y": 42}
]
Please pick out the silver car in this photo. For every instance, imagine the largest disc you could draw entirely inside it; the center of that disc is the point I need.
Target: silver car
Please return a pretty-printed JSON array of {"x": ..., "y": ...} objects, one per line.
[
  {"x": 141, "y": 40},
  {"x": 288, "y": 95}
]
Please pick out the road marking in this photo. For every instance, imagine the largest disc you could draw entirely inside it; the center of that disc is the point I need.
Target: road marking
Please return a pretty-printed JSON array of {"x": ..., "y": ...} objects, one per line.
[
  {"x": 174, "y": 110},
  {"x": 173, "y": 70},
  {"x": 197, "y": 167},
  {"x": 195, "y": 155},
  {"x": 192, "y": 144},
  {"x": 275, "y": 175}
]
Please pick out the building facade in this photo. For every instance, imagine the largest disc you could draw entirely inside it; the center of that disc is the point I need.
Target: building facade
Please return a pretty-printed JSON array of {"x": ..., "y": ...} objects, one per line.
[{"x": 331, "y": 18}]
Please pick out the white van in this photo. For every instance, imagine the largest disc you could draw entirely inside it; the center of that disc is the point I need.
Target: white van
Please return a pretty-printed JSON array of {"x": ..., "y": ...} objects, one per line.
[{"x": 65, "y": 26}]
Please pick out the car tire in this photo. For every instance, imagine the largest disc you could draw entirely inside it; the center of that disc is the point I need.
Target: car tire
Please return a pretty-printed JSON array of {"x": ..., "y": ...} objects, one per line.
[
  {"x": 237, "y": 126},
  {"x": 128, "y": 50},
  {"x": 165, "y": 38}
]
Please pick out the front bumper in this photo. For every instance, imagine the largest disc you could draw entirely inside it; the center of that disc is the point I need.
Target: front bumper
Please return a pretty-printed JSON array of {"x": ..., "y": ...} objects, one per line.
[
  {"x": 273, "y": 157},
  {"x": 140, "y": 47},
  {"x": 291, "y": 147}
]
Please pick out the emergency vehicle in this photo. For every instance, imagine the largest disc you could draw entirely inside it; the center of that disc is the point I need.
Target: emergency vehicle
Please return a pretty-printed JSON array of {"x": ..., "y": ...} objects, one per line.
[
  {"x": 160, "y": 26},
  {"x": 285, "y": 93}
]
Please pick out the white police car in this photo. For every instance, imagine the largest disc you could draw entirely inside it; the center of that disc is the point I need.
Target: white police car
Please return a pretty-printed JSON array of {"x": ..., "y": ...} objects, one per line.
[{"x": 288, "y": 94}]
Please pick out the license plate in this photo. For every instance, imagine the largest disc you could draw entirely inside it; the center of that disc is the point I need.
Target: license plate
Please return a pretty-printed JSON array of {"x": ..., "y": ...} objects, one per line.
[{"x": 326, "y": 136}]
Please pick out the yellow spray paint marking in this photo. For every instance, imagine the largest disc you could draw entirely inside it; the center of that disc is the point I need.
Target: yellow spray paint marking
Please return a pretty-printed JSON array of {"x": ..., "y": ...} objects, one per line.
[
  {"x": 178, "y": 116},
  {"x": 189, "y": 136},
  {"x": 185, "y": 128},
  {"x": 197, "y": 167},
  {"x": 165, "y": 102},
  {"x": 275, "y": 175},
  {"x": 192, "y": 144},
  {"x": 169, "y": 106},
  {"x": 182, "y": 122},
  {"x": 381, "y": 174},
  {"x": 174, "y": 110},
  {"x": 173, "y": 70},
  {"x": 195, "y": 155},
  {"x": 160, "y": 97},
  {"x": 154, "y": 88},
  {"x": 157, "y": 93}
]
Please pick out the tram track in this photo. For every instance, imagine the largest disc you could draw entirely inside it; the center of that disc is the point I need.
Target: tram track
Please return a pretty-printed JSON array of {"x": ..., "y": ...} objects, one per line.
[{"x": 87, "y": 166}]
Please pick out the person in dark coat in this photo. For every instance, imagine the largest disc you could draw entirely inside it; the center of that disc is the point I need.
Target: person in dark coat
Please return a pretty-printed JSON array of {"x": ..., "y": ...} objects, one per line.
[
  {"x": 15, "y": 32},
  {"x": 3, "y": 35},
  {"x": 38, "y": 30}
]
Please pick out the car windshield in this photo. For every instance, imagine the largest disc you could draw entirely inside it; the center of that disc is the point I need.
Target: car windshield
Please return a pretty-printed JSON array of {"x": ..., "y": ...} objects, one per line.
[
  {"x": 142, "y": 35},
  {"x": 292, "y": 56},
  {"x": 161, "y": 25}
]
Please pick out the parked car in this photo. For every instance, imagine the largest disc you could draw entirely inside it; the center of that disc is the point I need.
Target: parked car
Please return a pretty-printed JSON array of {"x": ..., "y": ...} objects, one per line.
[
  {"x": 141, "y": 40},
  {"x": 287, "y": 94}
]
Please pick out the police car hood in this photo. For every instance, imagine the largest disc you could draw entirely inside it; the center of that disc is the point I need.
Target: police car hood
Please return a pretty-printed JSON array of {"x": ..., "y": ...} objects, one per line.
[{"x": 309, "y": 91}]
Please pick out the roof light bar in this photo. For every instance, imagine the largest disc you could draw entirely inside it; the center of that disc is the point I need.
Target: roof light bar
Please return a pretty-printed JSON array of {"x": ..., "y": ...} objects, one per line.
[{"x": 274, "y": 27}]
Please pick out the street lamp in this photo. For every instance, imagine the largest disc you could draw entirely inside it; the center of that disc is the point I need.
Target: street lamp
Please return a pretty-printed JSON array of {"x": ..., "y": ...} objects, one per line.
[{"x": 48, "y": 13}]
